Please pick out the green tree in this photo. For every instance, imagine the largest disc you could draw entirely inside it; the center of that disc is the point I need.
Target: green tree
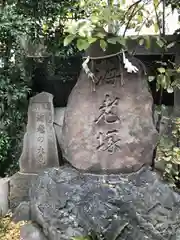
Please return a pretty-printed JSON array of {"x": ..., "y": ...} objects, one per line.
[{"x": 29, "y": 31}]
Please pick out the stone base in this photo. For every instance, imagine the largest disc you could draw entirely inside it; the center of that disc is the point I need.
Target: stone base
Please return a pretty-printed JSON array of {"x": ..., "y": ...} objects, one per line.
[
  {"x": 22, "y": 212},
  {"x": 67, "y": 204},
  {"x": 31, "y": 232},
  {"x": 4, "y": 192},
  {"x": 19, "y": 189}
]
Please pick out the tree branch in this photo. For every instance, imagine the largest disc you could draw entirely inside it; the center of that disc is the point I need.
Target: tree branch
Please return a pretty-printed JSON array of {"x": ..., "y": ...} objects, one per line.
[
  {"x": 132, "y": 14},
  {"x": 157, "y": 18}
]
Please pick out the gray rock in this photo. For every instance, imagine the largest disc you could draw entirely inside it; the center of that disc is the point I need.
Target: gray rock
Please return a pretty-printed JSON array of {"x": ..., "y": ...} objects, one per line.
[
  {"x": 19, "y": 188},
  {"x": 31, "y": 232},
  {"x": 59, "y": 116},
  {"x": 58, "y": 123},
  {"x": 4, "y": 196},
  {"x": 111, "y": 129},
  {"x": 40, "y": 146},
  {"x": 22, "y": 212},
  {"x": 139, "y": 205}
]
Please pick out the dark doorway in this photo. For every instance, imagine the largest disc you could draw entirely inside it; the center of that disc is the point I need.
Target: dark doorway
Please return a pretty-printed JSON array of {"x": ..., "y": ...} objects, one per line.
[{"x": 59, "y": 84}]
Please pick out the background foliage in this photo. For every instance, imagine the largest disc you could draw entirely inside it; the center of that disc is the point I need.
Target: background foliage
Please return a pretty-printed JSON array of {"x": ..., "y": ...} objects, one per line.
[{"x": 29, "y": 31}]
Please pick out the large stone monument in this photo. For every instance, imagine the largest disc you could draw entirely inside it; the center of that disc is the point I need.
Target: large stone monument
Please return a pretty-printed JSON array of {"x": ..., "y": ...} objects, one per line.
[
  {"x": 40, "y": 144},
  {"x": 110, "y": 129}
]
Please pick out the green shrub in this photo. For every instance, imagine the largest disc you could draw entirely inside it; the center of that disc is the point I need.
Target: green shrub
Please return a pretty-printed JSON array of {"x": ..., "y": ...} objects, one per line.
[{"x": 168, "y": 155}]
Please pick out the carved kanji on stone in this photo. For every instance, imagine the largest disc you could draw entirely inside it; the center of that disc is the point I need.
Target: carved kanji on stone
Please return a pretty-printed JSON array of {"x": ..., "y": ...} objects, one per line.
[
  {"x": 108, "y": 141},
  {"x": 108, "y": 110},
  {"x": 40, "y": 139},
  {"x": 41, "y": 128},
  {"x": 40, "y": 117},
  {"x": 41, "y": 155}
]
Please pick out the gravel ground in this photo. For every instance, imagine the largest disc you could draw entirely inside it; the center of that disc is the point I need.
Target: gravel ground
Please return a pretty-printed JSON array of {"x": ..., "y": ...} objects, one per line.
[{"x": 10, "y": 230}]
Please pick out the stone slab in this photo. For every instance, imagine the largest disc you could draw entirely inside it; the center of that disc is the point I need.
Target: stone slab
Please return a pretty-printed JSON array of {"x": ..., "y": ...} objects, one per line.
[
  {"x": 22, "y": 212},
  {"x": 31, "y": 232},
  {"x": 58, "y": 123},
  {"x": 59, "y": 116},
  {"x": 40, "y": 145},
  {"x": 4, "y": 194},
  {"x": 19, "y": 189}
]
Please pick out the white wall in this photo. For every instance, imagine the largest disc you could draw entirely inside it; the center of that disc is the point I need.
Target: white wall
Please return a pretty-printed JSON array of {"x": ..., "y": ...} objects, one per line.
[{"x": 171, "y": 20}]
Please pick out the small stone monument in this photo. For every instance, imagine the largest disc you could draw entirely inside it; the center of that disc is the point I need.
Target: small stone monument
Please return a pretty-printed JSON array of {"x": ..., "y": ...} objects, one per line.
[{"x": 40, "y": 145}]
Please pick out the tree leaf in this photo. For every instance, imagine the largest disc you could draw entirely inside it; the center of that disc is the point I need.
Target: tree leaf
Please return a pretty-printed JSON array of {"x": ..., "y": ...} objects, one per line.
[
  {"x": 160, "y": 43},
  {"x": 94, "y": 18},
  {"x": 72, "y": 28},
  {"x": 92, "y": 40},
  {"x": 161, "y": 81},
  {"x": 103, "y": 44},
  {"x": 45, "y": 27},
  {"x": 147, "y": 42},
  {"x": 112, "y": 40},
  {"x": 141, "y": 41},
  {"x": 82, "y": 3},
  {"x": 69, "y": 39},
  {"x": 107, "y": 14},
  {"x": 156, "y": 3},
  {"x": 151, "y": 78},
  {"x": 167, "y": 159},
  {"x": 100, "y": 35},
  {"x": 156, "y": 27},
  {"x": 161, "y": 70},
  {"x": 134, "y": 37},
  {"x": 170, "y": 45},
  {"x": 140, "y": 18},
  {"x": 122, "y": 41},
  {"x": 170, "y": 90},
  {"x": 82, "y": 44}
]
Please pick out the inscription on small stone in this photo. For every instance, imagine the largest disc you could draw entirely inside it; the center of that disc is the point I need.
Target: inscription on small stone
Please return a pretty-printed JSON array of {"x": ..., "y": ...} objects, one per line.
[{"x": 40, "y": 147}]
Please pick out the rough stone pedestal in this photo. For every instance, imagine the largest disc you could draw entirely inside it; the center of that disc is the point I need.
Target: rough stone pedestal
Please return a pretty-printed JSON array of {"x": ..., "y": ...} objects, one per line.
[
  {"x": 19, "y": 189},
  {"x": 134, "y": 206}
]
